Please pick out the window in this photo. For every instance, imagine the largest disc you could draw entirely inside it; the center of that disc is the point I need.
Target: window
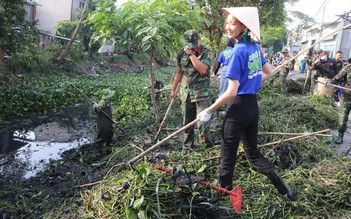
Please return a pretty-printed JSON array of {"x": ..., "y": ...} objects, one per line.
[{"x": 81, "y": 4}]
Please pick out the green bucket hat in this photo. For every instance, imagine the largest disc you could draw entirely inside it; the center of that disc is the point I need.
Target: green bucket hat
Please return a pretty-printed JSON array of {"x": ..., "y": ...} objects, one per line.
[
  {"x": 107, "y": 93},
  {"x": 191, "y": 38}
]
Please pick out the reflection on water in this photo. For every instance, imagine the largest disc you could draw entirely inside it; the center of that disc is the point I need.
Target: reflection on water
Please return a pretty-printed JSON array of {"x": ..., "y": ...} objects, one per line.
[{"x": 29, "y": 143}]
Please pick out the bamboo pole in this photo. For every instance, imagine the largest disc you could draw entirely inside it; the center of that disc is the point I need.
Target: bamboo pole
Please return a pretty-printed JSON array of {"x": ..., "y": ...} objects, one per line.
[
  {"x": 283, "y": 133},
  {"x": 131, "y": 161},
  {"x": 293, "y": 138},
  {"x": 66, "y": 50},
  {"x": 167, "y": 112},
  {"x": 276, "y": 142},
  {"x": 337, "y": 86},
  {"x": 300, "y": 53},
  {"x": 91, "y": 184}
]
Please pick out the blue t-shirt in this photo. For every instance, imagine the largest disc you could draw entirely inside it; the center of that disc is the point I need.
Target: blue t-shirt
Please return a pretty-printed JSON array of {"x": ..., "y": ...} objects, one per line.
[
  {"x": 245, "y": 65},
  {"x": 225, "y": 55}
]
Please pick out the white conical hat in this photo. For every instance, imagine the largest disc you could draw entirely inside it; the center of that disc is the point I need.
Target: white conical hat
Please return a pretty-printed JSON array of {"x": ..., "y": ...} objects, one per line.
[{"x": 248, "y": 16}]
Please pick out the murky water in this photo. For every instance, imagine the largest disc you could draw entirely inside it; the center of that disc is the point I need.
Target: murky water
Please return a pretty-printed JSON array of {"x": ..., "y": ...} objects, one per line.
[{"x": 28, "y": 144}]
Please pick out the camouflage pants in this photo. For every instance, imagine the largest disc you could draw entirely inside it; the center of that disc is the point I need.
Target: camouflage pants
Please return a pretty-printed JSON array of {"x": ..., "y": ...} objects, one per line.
[
  {"x": 345, "y": 107},
  {"x": 190, "y": 111},
  {"x": 282, "y": 75},
  {"x": 311, "y": 81}
]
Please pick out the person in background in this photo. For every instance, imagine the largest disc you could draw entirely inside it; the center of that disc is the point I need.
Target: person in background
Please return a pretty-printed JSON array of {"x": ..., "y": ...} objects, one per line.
[
  {"x": 246, "y": 72},
  {"x": 193, "y": 72},
  {"x": 311, "y": 74},
  {"x": 338, "y": 61},
  {"x": 326, "y": 68},
  {"x": 345, "y": 104},
  {"x": 303, "y": 64},
  {"x": 283, "y": 73},
  {"x": 105, "y": 124},
  {"x": 223, "y": 59},
  {"x": 339, "y": 65}
]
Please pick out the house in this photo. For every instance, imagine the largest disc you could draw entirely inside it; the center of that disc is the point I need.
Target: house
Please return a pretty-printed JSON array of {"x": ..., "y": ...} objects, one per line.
[
  {"x": 49, "y": 12},
  {"x": 336, "y": 38}
]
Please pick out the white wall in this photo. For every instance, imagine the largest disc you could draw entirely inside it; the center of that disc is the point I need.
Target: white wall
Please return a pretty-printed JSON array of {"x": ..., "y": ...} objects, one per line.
[{"x": 49, "y": 12}]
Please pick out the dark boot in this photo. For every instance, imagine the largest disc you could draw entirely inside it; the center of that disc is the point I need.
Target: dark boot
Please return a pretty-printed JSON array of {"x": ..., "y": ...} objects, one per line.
[
  {"x": 281, "y": 185},
  {"x": 339, "y": 139}
]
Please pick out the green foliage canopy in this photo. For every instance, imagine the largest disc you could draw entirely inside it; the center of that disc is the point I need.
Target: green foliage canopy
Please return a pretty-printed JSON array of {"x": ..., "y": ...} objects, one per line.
[
  {"x": 18, "y": 37},
  {"x": 154, "y": 27}
]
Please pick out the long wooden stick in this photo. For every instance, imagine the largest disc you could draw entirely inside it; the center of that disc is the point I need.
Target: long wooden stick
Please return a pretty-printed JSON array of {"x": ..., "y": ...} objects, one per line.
[
  {"x": 91, "y": 184},
  {"x": 337, "y": 86},
  {"x": 131, "y": 161},
  {"x": 167, "y": 112},
  {"x": 300, "y": 53},
  {"x": 283, "y": 133},
  {"x": 73, "y": 37},
  {"x": 277, "y": 142},
  {"x": 293, "y": 138}
]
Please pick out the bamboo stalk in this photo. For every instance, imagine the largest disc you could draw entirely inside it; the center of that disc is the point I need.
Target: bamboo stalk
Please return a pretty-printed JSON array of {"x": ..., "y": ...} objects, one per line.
[
  {"x": 337, "y": 86},
  {"x": 91, "y": 184},
  {"x": 276, "y": 142},
  {"x": 293, "y": 138},
  {"x": 167, "y": 112},
  {"x": 300, "y": 53},
  {"x": 131, "y": 161},
  {"x": 283, "y": 133},
  {"x": 73, "y": 37}
]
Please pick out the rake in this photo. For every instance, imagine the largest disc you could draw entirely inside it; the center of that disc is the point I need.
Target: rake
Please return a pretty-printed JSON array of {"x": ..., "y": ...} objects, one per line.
[{"x": 235, "y": 195}]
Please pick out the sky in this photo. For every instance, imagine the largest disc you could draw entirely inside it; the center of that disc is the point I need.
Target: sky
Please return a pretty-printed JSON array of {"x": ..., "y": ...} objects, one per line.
[{"x": 314, "y": 8}]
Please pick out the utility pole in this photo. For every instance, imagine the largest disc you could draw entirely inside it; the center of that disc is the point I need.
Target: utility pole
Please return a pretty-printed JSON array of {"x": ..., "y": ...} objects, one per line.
[{"x": 321, "y": 30}]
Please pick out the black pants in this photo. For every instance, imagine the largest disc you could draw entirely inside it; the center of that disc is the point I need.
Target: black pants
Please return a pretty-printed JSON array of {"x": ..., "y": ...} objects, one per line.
[{"x": 241, "y": 121}]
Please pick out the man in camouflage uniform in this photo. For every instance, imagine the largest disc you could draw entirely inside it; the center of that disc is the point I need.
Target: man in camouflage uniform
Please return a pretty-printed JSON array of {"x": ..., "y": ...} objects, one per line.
[
  {"x": 345, "y": 103},
  {"x": 283, "y": 73},
  {"x": 194, "y": 64}
]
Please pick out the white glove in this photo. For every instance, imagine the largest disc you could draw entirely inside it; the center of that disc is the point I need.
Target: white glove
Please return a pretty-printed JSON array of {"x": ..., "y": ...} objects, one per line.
[
  {"x": 95, "y": 106},
  {"x": 204, "y": 116}
]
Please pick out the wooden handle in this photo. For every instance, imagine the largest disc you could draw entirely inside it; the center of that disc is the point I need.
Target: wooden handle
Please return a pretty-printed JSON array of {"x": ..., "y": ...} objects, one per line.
[
  {"x": 167, "y": 112},
  {"x": 163, "y": 141}
]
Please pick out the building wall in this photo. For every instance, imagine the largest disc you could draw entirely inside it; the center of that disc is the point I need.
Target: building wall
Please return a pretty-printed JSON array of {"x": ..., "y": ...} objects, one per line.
[
  {"x": 49, "y": 12},
  {"x": 77, "y": 7},
  {"x": 339, "y": 40}
]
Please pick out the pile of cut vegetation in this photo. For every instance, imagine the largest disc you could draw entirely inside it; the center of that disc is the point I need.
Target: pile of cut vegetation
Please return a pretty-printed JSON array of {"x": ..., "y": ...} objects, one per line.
[{"x": 309, "y": 164}]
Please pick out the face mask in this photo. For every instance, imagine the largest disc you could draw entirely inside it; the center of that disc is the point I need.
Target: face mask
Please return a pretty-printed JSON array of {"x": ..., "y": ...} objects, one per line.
[{"x": 323, "y": 58}]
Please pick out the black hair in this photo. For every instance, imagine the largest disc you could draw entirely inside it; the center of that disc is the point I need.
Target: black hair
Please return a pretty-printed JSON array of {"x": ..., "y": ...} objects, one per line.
[
  {"x": 231, "y": 42},
  {"x": 339, "y": 52},
  {"x": 349, "y": 60}
]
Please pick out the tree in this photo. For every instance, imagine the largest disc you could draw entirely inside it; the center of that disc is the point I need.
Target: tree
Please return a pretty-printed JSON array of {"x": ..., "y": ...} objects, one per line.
[
  {"x": 154, "y": 27},
  {"x": 80, "y": 22},
  {"x": 16, "y": 33}
]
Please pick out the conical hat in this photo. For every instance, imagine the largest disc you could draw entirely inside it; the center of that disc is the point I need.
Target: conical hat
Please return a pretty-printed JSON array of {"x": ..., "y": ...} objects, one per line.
[
  {"x": 248, "y": 16},
  {"x": 107, "y": 93}
]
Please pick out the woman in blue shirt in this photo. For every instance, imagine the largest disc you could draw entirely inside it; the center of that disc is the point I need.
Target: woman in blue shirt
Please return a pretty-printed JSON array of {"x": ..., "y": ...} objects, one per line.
[
  {"x": 223, "y": 59},
  {"x": 246, "y": 72}
]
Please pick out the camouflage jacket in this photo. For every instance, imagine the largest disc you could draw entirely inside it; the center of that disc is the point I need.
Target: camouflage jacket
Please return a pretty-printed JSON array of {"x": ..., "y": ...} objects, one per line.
[
  {"x": 193, "y": 83},
  {"x": 283, "y": 69},
  {"x": 344, "y": 76}
]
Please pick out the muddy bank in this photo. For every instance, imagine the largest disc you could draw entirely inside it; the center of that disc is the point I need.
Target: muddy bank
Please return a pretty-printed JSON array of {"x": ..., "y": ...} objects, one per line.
[{"x": 31, "y": 143}]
